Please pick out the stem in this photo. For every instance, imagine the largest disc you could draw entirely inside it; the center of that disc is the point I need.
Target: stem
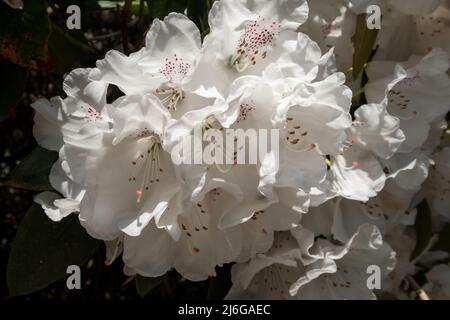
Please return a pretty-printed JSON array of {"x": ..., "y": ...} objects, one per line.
[
  {"x": 420, "y": 292},
  {"x": 358, "y": 92},
  {"x": 124, "y": 25}
]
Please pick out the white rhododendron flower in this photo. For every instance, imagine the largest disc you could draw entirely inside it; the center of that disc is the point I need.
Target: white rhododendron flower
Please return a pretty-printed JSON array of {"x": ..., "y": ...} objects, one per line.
[
  {"x": 166, "y": 67},
  {"x": 340, "y": 271},
  {"x": 332, "y": 24},
  {"x": 258, "y": 34},
  {"x": 420, "y": 96},
  {"x": 313, "y": 269},
  {"x": 357, "y": 172},
  {"x": 82, "y": 115},
  {"x": 418, "y": 29},
  {"x": 257, "y": 31},
  {"x": 335, "y": 190}
]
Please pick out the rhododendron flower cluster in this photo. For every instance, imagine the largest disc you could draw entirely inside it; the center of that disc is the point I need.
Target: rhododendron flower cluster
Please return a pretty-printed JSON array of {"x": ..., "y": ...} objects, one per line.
[{"x": 307, "y": 223}]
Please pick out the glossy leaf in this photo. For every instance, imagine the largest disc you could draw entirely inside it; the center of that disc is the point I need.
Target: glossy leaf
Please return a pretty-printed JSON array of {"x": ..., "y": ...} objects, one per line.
[
  {"x": 443, "y": 243},
  {"x": 32, "y": 173},
  {"x": 42, "y": 250},
  {"x": 67, "y": 51},
  {"x": 145, "y": 284}
]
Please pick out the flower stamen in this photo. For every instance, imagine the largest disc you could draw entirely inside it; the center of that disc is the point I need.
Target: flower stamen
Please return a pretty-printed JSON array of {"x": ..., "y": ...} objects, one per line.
[{"x": 258, "y": 37}]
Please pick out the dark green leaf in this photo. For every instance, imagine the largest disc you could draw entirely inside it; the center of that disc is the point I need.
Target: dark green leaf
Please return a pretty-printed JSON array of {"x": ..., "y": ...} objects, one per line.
[
  {"x": 443, "y": 243},
  {"x": 85, "y": 5},
  {"x": 363, "y": 43},
  {"x": 423, "y": 229},
  {"x": 137, "y": 10},
  {"x": 144, "y": 284},
  {"x": 220, "y": 284},
  {"x": 197, "y": 11},
  {"x": 161, "y": 8},
  {"x": 12, "y": 85},
  {"x": 42, "y": 250},
  {"x": 24, "y": 33},
  {"x": 68, "y": 49},
  {"x": 32, "y": 173}
]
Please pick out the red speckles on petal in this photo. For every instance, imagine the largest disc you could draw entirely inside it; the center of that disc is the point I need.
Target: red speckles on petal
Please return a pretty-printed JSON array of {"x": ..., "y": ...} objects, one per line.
[
  {"x": 259, "y": 34},
  {"x": 430, "y": 27},
  {"x": 297, "y": 135},
  {"x": 245, "y": 108},
  {"x": 92, "y": 115},
  {"x": 399, "y": 98},
  {"x": 144, "y": 133},
  {"x": 175, "y": 69},
  {"x": 258, "y": 37}
]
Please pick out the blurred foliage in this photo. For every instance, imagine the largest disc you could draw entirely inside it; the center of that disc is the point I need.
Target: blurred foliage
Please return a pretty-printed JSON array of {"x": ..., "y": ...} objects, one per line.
[
  {"x": 36, "y": 38},
  {"x": 144, "y": 284},
  {"x": 67, "y": 49},
  {"x": 24, "y": 34},
  {"x": 36, "y": 50},
  {"x": 32, "y": 173}
]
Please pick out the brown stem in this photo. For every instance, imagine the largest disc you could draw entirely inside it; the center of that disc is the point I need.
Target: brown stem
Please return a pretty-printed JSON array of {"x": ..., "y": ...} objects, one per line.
[{"x": 124, "y": 25}]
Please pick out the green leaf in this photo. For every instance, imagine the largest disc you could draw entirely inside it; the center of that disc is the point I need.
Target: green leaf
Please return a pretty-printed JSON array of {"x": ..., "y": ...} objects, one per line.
[
  {"x": 145, "y": 284},
  {"x": 136, "y": 9},
  {"x": 423, "y": 229},
  {"x": 42, "y": 250},
  {"x": 197, "y": 11},
  {"x": 85, "y": 5},
  {"x": 32, "y": 173},
  {"x": 12, "y": 86},
  {"x": 363, "y": 43},
  {"x": 24, "y": 33},
  {"x": 443, "y": 243},
  {"x": 109, "y": 4},
  {"x": 220, "y": 284},
  {"x": 161, "y": 8},
  {"x": 135, "y": 6},
  {"x": 68, "y": 49}
]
